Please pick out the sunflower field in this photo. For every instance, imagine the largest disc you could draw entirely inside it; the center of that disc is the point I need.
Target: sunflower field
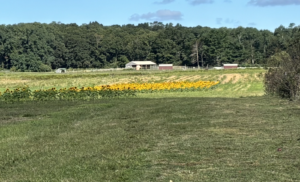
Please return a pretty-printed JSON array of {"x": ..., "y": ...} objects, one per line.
[
  {"x": 103, "y": 91},
  {"x": 160, "y": 87}
]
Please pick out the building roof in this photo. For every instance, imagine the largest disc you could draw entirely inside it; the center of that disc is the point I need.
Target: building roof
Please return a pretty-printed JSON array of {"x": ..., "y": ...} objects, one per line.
[
  {"x": 165, "y": 64},
  {"x": 141, "y": 63},
  {"x": 230, "y": 64}
]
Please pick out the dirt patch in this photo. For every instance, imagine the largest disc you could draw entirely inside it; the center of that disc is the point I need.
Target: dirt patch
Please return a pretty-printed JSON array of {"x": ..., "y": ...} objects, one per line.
[
  {"x": 184, "y": 78},
  {"x": 194, "y": 78},
  {"x": 258, "y": 77},
  {"x": 124, "y": 80},
  {"x": 8, "y": 81},
  {"x": 239, "y": 87},
  {"x": 152, "y": 78},
  {"x": 171, "y": 78},
  {"x": 234, "y": 78},
  {"x": 246, "y": 88}
]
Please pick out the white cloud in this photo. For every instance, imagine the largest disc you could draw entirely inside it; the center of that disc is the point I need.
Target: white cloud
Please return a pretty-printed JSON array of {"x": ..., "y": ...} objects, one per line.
[
  {"x": 196, "y": 2},
  {"x": 164, "y": 2},
  {"x": 274, "y": 2},
  {"x": 219, "y": 20},
  {"x": 231, "y": 21},
  {"x": 160, "y": 15}
]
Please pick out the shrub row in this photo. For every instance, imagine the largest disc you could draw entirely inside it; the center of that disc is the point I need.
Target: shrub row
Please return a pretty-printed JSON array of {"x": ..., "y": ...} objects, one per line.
[{"x": 25, "y": 94}]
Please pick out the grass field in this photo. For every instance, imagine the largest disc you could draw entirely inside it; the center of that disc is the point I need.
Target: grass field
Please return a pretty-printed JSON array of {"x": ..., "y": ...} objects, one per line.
[
  {"x": 231, "y": 133},
  {"x": 234, "y": 83}
]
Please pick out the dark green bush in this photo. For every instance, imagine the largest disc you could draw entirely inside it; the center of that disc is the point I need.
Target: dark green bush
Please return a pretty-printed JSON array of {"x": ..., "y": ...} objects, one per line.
[
  {"x": 44, "y": 68},
  {"x": 283, "y": 76}
]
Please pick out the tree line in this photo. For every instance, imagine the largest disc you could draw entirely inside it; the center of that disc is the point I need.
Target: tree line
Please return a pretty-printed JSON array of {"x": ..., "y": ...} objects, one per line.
[{"x": 42, "y": 47}]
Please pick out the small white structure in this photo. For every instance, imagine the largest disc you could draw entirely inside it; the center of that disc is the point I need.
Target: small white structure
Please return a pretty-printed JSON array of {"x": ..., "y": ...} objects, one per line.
[
  {"x": 230, "y": 66},
  {"x": 61, "y": 70},
  {"x": 218, "y": 68},
  {"x": 165, "y": 66},
  {"x": 140, "y": 65}
]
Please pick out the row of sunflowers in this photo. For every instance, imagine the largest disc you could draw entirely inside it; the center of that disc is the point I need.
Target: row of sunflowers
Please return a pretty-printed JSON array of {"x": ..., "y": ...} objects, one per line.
[
  {"x": 165, "y": 86},
  {"x": 102, "y": 91}
]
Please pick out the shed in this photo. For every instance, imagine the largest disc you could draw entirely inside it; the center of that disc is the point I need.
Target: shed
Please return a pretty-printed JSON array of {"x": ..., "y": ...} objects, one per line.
[
  {"x": 218, "y": 68},
  {"x": 230, "y": 66},
  {"x": 140, "y": 65},
  {"x": 61, "y": 70},
  {"x": 165, "y": 66}
]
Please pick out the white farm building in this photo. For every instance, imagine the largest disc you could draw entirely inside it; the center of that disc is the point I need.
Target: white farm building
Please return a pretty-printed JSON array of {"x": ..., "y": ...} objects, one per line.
[
  {"x": 137, "y": 65},
  {"x": 61, "y": 70}
]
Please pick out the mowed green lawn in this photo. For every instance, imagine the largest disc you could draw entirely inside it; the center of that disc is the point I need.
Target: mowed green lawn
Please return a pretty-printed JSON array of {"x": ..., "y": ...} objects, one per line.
[{"x": 194, "y": 136}]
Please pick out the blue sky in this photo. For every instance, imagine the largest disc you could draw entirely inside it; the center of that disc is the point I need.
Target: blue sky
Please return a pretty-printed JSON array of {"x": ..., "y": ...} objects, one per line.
[{"x": 262, "y": 14}]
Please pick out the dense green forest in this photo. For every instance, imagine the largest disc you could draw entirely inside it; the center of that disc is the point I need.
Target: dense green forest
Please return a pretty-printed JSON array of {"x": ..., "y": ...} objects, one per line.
[{"x": 42, "y": 47}]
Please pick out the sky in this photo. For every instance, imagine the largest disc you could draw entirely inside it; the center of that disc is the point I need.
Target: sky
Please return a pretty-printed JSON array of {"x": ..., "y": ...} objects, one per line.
[{"x": 260, "y": 14}]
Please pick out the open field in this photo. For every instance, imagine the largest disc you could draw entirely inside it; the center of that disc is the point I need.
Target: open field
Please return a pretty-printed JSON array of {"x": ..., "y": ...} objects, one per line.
[
  {"x": 140, "y": 139},
  {"x": 231, "y": 133},
  {"x": 234, "y": 83}
]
